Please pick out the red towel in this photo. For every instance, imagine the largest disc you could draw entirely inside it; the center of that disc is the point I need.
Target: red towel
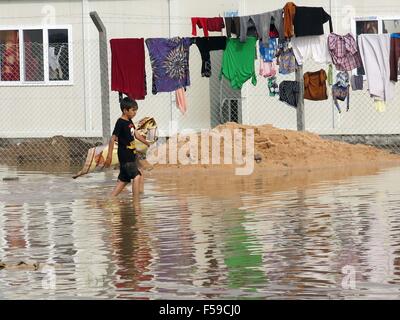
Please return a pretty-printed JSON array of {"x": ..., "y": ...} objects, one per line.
[{"x": 128, "y": 73}]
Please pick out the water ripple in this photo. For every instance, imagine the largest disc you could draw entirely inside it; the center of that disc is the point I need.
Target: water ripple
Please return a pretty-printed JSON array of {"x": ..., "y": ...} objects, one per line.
[{"x": 297, "y": 236}]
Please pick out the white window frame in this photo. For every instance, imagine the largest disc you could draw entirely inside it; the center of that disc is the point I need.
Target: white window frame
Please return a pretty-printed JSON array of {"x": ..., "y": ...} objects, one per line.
[
  {"x": 371, "y": 18},
  {"x": 367, "y": 18},
  {"x": 47, "y": 81}
]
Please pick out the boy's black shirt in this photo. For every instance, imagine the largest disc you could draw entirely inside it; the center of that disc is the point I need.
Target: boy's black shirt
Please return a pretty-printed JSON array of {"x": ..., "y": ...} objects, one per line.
[{"x": 124, "y": 130}]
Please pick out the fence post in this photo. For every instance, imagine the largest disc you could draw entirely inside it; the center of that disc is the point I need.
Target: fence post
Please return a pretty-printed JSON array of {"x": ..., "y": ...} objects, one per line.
[
  {"x": 301, "y": 126},
  {"x": 105, "y": 95}
]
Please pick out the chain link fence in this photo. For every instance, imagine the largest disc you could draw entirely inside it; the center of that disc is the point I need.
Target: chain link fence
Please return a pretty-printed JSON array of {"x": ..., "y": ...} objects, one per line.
[{"x": 52, "y": 109}]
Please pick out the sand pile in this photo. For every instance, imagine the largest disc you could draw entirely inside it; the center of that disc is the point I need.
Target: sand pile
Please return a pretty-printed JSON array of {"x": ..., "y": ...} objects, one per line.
[{"x": 281, "y": 149}]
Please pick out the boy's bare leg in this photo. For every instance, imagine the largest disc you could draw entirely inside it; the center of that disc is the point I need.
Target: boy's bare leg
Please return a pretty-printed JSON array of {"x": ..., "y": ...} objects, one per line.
[
  {"x": 141, "y": 181},
  {"x": 136, "y": 186},
  {"x": 118, "y": 188}
]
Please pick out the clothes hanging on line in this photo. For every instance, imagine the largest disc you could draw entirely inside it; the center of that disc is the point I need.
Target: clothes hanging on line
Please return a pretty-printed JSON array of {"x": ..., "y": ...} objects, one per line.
[
  {"x": 330, "y": 75},
  {"x": 206, "y": 45},
  {"x": 128, "y": 73},
  {"x": 344, "y": 52},
  {"x": 286, "y": 58},
  {"x": 232, "y": 25},
  {"x": 343, "y": 79},
  {"x": 380, "y": 105},
  {"x": 311, "y": 47},
  {"x": 201, "y": 23},
  {"x": 268, "y": 53},
  {"x": 238, "y": 62},
  {"x": 207, "y": 24},
  {"x": 267, "y": 69},
  {"x": 289, "y": 92},
  {"x": 394, "y": 56},
  {"x": 273, "y": 31},
  {"x": 341, "y": 93},
  {"x": 215, "y": 24},
  {"x": 170, "y": 63},
  {"x": 289, "y": 11},
  {"x": 309, "y": 21},
  {"x": 273, "y": 87},
  {"x": 180, "y": 99},
  {"x": 357, "y": 82},
  {"x": 375, "y": 54},
  {"x": 341, "y": 90},
  {"x": 287, "y": 62},
  {"x": 262, "y": 23},
  {"x": 315, "y": 85}
]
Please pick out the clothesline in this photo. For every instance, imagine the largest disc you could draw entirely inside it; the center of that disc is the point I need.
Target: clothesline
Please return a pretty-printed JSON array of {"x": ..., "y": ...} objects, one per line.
[{"x": 287, "y": 37}]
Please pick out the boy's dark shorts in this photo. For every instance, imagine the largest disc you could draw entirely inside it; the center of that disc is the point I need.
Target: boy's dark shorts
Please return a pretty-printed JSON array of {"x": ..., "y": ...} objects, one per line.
[{"x": 128, "y": 171}]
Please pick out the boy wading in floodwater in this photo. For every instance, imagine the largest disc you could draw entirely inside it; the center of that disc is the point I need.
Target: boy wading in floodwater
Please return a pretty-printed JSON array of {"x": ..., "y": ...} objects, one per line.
[{"x": 125, "y": 133}]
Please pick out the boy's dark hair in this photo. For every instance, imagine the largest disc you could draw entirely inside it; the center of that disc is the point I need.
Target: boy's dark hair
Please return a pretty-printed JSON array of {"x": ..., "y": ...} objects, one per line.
[{"x": 128, "y": 103}]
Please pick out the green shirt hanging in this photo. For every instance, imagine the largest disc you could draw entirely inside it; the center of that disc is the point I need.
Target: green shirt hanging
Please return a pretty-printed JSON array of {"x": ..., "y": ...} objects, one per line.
[{"x": 238, "y": 62}]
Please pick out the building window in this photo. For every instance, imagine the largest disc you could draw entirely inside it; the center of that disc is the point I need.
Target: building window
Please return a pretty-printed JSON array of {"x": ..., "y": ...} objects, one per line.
[
  {"x": 9, "y": 55},
  {"x": 58, "y": 55},
  {"x": 367, "y": 26},
  {"x": 35, "y": 56},
  {"x": 391, "y": 26}
]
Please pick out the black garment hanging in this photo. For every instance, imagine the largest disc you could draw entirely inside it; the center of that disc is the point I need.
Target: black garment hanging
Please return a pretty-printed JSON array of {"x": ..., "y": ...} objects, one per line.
[
  {"x": 206, "y": 45},
  {"x": 289, "y": 92},
  {"x": 232, "y": 25},
  {"x": 309, "y": 21}
]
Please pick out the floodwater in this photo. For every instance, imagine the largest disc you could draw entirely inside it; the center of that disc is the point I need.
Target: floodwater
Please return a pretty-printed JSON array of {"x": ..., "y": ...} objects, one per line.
[{"x": 321, "y": 235}]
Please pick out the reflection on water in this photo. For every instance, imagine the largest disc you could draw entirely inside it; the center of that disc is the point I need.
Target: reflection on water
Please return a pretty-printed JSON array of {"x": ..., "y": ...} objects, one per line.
[{"x": 329, "y": 234}]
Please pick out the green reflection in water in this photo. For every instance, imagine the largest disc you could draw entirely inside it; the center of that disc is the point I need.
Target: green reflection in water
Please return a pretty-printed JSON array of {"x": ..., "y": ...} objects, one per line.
[{"x": 242, "y": 255}]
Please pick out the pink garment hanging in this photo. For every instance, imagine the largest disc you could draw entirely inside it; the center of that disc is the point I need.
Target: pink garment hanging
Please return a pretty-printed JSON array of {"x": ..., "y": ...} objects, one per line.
[
  {"x": 180, "y": 98},
  {"x": 267, "y": 69}
]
